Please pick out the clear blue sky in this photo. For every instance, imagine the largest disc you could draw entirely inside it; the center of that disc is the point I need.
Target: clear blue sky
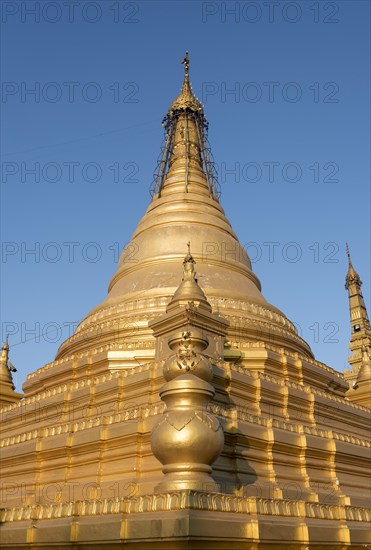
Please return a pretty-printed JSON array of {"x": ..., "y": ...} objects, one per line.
[{"x": 286, "y": 90}]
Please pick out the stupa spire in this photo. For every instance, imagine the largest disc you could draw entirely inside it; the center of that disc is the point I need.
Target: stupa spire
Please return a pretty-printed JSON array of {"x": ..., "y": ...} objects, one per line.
[
  {"x": 352, "y": 276},
  {"x": 353, "y": 283},
  {"x": 185, "y": 162},
  {"x": 348, "y": 254},
  {"x": 360, "y": 325},
  {"x": 186, "y": 99}
]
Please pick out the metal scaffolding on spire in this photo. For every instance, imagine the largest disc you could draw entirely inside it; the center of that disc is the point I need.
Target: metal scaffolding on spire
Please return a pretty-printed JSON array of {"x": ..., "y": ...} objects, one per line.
[{"x": 189, "y": 109}]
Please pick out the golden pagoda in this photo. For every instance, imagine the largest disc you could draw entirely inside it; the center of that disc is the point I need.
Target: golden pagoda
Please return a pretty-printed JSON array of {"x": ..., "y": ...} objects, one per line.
[{"x": 186, "y": 412}]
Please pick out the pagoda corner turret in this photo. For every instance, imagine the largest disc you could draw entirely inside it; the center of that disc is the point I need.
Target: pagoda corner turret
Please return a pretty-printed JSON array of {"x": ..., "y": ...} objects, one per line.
[
  {"x": 8, "y": 395},
  {"x": 359, "y": 375}
]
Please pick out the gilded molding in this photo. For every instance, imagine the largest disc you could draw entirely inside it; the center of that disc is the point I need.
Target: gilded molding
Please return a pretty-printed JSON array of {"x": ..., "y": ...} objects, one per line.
[{"x": 188, "y": 500}]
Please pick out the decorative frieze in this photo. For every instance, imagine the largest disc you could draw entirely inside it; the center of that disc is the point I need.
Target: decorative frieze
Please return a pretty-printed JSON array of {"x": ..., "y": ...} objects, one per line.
[{"x": 188, "y": 500}]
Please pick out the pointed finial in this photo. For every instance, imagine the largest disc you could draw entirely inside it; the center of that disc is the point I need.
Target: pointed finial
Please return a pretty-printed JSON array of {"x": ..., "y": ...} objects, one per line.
[
  {"x": 189, "y": 292},
  {"x": 348, "y": 254},
  {"x": 188, "y": 265},
  {"x": 189, "y": 257},
  {"x": 5, "y": 353},
  {"x": 185, "y": 62},
  {"x": 352, "y": 275},
  {"x": 186, "y": 98},
  {"x": 6, "y": 344}
]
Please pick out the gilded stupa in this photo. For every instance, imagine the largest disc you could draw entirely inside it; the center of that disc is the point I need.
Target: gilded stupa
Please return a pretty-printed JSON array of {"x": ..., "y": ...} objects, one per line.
[{"x": 185, "y": 411}]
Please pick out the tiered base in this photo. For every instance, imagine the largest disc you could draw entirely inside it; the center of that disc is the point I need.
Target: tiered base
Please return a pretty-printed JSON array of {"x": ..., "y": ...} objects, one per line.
[{"x": 189, "y": 520}]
